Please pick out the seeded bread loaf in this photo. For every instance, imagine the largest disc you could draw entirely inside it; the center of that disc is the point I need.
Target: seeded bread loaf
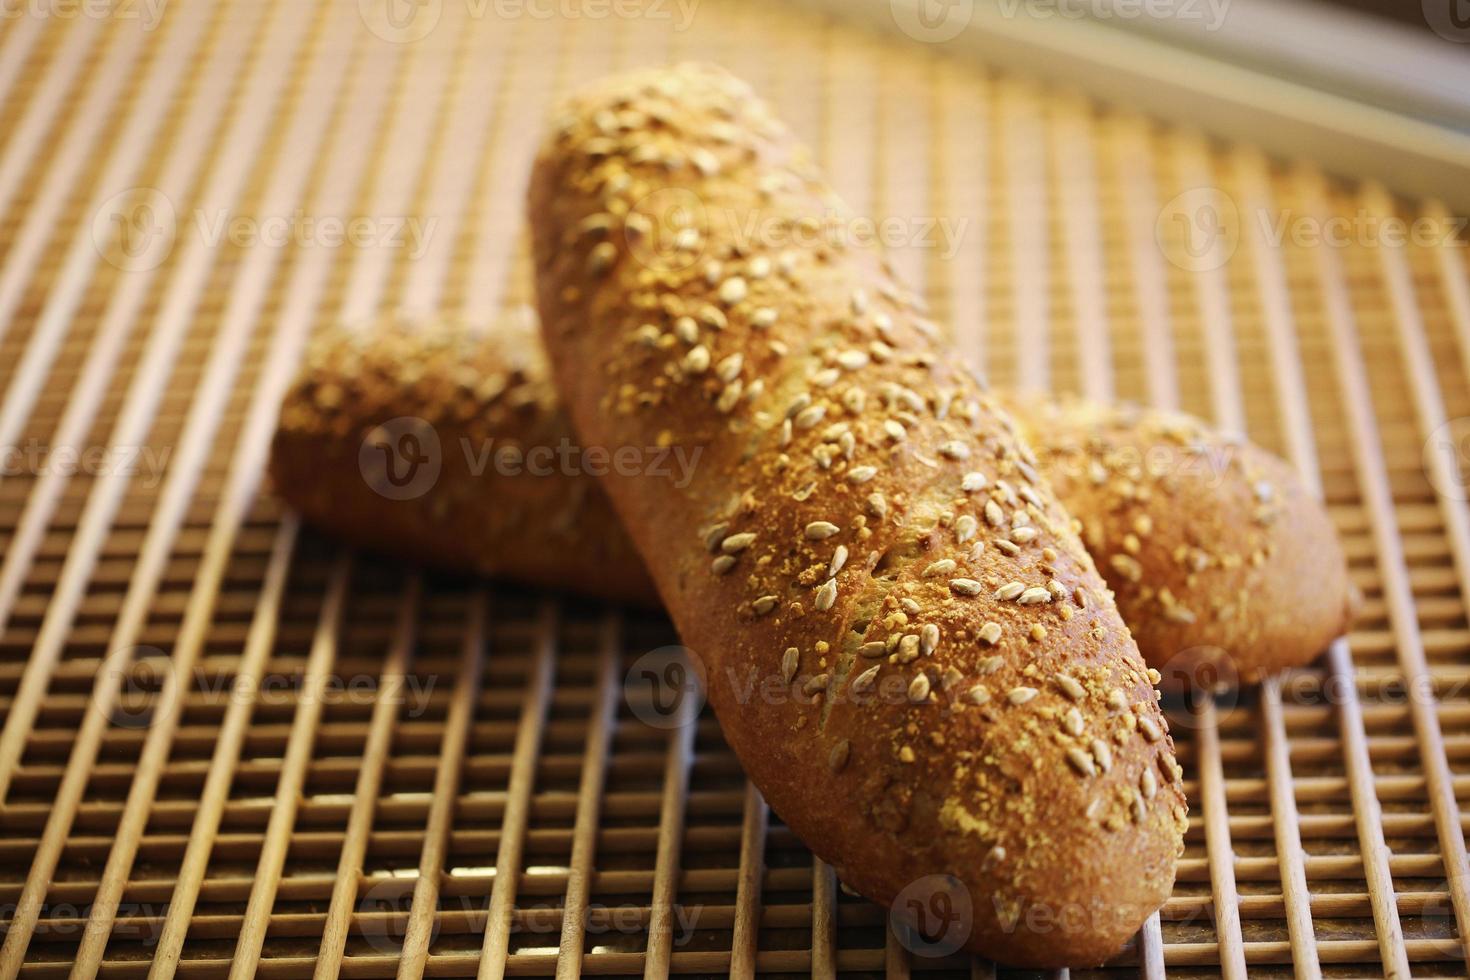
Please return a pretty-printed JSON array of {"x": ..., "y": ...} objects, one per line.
[
  {"x": 1203, "y": 537},
  {"x": 926, "y": 710},
  {"x": 426, "y": 440},
  {"x": 1224, "y": 566}
]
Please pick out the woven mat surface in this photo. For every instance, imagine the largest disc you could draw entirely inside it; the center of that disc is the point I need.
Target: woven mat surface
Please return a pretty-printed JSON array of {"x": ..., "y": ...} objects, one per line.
[{"x": 209, "y": 710}]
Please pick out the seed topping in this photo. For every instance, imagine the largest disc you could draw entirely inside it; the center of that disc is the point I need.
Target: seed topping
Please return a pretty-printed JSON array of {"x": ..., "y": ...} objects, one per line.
[
  {"x": 819, "y": 530},
  {"x": 965, "y": 586}
]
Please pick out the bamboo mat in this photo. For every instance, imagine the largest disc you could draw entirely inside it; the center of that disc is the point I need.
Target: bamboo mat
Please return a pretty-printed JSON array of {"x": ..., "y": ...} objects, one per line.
[{"x": 229, "y": 747}]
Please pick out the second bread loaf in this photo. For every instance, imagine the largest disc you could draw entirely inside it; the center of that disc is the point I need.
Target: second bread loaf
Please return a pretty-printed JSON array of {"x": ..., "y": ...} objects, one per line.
[{"x": 917, "y": 703}]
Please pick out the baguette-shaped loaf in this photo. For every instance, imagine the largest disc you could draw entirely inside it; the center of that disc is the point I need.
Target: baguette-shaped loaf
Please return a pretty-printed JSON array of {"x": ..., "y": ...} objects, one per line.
[
  {"x": 1206, "y": 540},
  {"x": 923, "y": 706},
  {"x": 1224, "y": 565},
  {"x": 466, "y": 420}
]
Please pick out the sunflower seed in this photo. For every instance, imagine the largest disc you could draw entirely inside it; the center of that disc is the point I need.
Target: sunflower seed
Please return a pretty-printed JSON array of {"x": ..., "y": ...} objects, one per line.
[
  {"x": 839, "y": 559},
  {"x": 713, "y": 535},
  {"x": 919, "y": 689},
  {"x": 1081, "y": 761},
  {"x": 972, "y": 482},
  {"x": 990, "y": 634},
  {"x": 908, "y": 648},
  {"x": 864, "y": 682},
  {"x": 601, "y": 258},
  {"x": 994, "y": 516},
  {"x": 826, "y": 595},
  {"x": 977, "y": 695},
  {"x": 895, "y": 430},
  {"x": 875, "y": 648},
  {"x": 729, "y": 368},
  {"x": 928, "y": 639},
  {"x": 954, "y": 449},
  {"x": 1148, "y": 784},
  {"x": 730, "y": 397},
  {"x": 861, "y": 474},
  {"x": 697, "y": 360},
  {"x": 737, "y": 542},
  {"x": 1070, "y": 687},
  {"x": 1127, "y": 566},
  {"x": 733, "y": 290},
  {"x": 817, "y": 684},
  {"x": 818, "y": 530},
  {"x": 1034, "y": 595},
  {"x": 1020, "y": 695},
  {"x": 965, "y": 527},
  {"x": 991, "y": 664},
  {"x": 965, "y": 586},
  {"x": 764, "y": 604},
  {"x": 826, "y": 378},
  {"x": 877, "y": 503},
  {"x": 722, "y": 564},
  {"x": 1009, "y": 591},
  {"x": 764, "y": 318},
  {"x": 790, "y": 662},
  {"x": 1150, "y": 729},
  {"x": 1102, "y": 754},
  {"x": 941, "y": 567},
  {"x": 1072, "y": 721},
  {"x": 837, "y": 759},
  {"x": 808, "y": 417},
  {"x": 1023, "y": 535}
]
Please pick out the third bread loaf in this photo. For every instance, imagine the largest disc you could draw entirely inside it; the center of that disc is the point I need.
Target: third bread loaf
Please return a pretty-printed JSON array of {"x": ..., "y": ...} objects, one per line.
[
  {"x": 924, "y": 708},
  {"x": 1224, "y": 566}
]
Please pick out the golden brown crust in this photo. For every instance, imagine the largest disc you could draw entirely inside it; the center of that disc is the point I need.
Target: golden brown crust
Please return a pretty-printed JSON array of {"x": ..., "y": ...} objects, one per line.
[
  {"x": 478, "y": 402},
  {"x": 1032, "y": 765},
  {"x": 1225, "y": 567}
]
